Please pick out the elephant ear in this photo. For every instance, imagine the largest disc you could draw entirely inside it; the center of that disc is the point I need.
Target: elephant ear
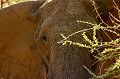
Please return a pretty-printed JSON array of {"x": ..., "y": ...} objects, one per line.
[{"x": 18, "y": 58}]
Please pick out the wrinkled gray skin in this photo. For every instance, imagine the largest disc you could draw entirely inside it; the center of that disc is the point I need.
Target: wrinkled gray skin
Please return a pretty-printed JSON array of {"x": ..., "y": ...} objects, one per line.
[
  {"x": 54, "y": 18},
  {"x": 59, "y": 16}
]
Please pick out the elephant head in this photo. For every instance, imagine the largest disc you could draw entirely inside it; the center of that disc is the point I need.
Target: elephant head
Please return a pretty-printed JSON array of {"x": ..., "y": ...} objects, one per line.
[
  {"x": 63, "y": 62},
  {"x": 38, "y": 43},
  {"x": 66, "y": 62}
]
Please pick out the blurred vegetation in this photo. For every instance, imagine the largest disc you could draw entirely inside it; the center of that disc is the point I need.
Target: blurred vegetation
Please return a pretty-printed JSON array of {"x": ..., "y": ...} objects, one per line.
[
  {"x": 5, "y": 3},
  {"x": 17, "y": 1}
]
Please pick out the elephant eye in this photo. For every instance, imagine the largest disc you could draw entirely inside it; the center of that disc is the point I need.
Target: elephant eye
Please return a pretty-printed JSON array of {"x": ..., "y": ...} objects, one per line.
[{"x": 44, "y": 37}]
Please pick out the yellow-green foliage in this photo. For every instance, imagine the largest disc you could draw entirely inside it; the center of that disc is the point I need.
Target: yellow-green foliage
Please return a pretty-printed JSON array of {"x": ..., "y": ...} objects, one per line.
[
  {"x": 107, "y": 53},
  {"x": 111, "y": 48}
]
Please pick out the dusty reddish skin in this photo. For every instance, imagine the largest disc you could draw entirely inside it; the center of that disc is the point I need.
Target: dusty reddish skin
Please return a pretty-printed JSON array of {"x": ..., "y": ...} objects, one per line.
[
  {"x": 18, "y": 58},
  {"x": 101, "y": 66}
]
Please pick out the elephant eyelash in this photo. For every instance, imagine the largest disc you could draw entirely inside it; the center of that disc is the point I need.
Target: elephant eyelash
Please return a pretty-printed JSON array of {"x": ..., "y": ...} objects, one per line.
[{"x": 44, "y": 37}]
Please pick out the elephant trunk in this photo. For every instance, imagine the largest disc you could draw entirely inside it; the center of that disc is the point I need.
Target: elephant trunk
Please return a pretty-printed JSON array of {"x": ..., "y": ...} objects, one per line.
[{"x": 68, "y": 62}]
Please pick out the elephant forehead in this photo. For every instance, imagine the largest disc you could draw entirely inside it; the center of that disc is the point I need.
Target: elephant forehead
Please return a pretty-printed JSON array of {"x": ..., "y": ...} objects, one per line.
[
  {"x": 64, "y": 16},
  {"x": 55, "y": 24},
  {"x": 68, "y": 10},
  {"x": 66, "y": 22}
]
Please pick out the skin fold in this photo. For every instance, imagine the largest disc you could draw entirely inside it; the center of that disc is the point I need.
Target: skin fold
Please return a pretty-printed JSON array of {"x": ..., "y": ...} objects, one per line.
[{"x": 29, "y": 36}]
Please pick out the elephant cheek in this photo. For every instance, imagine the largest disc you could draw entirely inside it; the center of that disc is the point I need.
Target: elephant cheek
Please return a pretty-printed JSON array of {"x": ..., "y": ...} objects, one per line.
[{"x": 67, "y": 63}]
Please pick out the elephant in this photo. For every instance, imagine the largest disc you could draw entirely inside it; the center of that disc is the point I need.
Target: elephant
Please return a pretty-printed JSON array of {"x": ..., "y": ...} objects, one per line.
[
  {"x": 30, "y": 40},
  {"x": 18, "y": 58}
]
